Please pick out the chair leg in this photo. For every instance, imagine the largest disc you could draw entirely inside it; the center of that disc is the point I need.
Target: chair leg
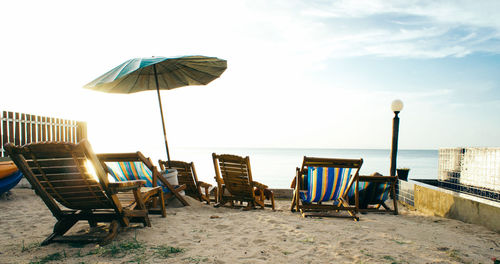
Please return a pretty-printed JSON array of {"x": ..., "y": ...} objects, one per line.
[
  {"x": 394, "y": 200},
  {"x": 113, "y": 231},
  {"x": 92, "y": 221},
  {"x": 272, "y": 201},
  {"x": 206, "y": 197},
  {"x": 142, "y": 207},
  {"x": 216, "y": 195},
  {"x": 162, "y": 205},
  {"x": 61, "y": 227}
]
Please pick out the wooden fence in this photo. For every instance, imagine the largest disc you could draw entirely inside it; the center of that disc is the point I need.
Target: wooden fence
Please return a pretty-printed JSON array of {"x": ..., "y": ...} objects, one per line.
[{"x": 20, "y": 129}]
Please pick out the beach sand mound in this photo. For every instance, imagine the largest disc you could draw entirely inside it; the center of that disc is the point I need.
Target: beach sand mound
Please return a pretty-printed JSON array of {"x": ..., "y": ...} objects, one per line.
[{"x": 201, "y": 233}]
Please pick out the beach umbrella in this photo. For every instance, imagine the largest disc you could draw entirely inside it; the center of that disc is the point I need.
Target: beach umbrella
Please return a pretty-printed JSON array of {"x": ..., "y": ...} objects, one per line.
[{"x": 159, "y": 73}]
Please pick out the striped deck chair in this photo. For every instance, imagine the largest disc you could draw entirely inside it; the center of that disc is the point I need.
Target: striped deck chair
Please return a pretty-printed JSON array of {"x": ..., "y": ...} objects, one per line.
[
  {"x": 135, "y": 166},
  {"x": 374, "y": 191},
  {"x": 323, "y": 185}
]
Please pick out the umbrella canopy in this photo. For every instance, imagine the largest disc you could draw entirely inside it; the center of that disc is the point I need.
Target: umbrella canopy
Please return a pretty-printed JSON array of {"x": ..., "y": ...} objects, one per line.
[
  {"x": 159, "y": 73},
  {"x": 138, "y": 74}
]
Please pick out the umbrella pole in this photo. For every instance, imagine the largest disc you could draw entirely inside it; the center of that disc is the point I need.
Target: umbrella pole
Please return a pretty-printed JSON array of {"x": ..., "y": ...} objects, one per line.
[{"x": 161, "y": 112}]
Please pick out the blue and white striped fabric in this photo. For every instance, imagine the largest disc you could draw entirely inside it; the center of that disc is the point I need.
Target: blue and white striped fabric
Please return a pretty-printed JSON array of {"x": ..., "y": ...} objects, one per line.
[
  {"x": 326, "y": 184},
  {"x": 132, "y": 170}
]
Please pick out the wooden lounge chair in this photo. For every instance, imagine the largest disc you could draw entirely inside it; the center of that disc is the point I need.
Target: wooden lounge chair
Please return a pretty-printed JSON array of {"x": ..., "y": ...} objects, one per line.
[
  {"x": 135, "y": 166},
  {"x": 62, "y": 176},
  {"x": 186, "y": 174},
  {"x": 234, "y": 182},
  {"x": 321, "y": 181},
  {"x": 374, "y": 191}
]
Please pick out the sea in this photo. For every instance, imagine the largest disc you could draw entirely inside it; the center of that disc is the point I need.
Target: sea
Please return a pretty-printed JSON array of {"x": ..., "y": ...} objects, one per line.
[{"x": 275, "y": 167}]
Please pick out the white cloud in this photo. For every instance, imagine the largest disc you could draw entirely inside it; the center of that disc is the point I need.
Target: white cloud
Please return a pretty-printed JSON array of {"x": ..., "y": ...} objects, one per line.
[{"x": 410, "y": 29}]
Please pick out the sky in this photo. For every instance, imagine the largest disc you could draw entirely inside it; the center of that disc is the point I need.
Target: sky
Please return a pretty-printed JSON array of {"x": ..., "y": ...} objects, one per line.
[{"x": 301, "y": 73}]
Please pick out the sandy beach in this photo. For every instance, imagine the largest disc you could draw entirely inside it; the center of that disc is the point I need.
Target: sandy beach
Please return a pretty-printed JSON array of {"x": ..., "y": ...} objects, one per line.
[{"x": 203, "y": 234}]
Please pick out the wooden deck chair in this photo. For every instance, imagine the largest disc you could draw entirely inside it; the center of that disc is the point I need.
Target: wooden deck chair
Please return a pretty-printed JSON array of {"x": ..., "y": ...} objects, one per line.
[
  {"x": 135, "y": 166},
  {"x": 321, "y": 181},
  {"x": 61, "y": 174},
  {"x": 186, "y": 175},
  {"x": 374, "y": 191},
  {"x": 235, "y": 183}
]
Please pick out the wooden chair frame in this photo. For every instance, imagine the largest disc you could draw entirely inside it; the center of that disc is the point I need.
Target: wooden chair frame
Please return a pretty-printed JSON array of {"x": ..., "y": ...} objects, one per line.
[
  {"x": 186, "y": 174},
  {"x": 340, "y": 205},
  {"x": 138, "y": 156},
  {"x": 234, "y": 182},
  {"x": 58, "y": 173},
  {"x": 377, "y": 207}
]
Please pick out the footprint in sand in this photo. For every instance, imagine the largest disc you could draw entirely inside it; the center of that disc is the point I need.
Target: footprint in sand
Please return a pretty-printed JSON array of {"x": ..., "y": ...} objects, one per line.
[
  {"x": 259, "y": 241},
  {"x": 221, "y": 226}
]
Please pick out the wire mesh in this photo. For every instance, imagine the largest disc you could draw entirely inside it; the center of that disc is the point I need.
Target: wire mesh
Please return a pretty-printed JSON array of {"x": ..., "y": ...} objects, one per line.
[{"x": 474, "y": 171}]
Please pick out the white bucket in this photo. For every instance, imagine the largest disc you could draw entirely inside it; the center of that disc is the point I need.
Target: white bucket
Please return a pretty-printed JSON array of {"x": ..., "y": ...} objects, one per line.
[{"x": 171, "y": 176}]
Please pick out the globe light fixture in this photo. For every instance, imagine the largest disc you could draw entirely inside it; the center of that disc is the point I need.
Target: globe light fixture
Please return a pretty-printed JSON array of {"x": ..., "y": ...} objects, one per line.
[{"x": 397, "y": 105}]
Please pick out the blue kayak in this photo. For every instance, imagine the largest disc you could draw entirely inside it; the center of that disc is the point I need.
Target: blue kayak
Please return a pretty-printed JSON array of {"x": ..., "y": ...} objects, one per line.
[{"x": 10, "y": 181}]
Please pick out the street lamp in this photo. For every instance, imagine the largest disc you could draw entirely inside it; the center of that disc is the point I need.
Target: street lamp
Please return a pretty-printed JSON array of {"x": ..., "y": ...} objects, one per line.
[{"x": 396, "y": 106}]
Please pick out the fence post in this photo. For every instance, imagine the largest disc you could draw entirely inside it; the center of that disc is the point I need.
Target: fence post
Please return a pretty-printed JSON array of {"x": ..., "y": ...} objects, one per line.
[{"x": 81, "y": 131}]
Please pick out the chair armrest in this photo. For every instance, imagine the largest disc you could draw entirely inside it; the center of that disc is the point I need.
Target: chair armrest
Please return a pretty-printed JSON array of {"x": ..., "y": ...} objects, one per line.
[
  {"x": 125, "y": 185},
  {"x": 204, "y": 184},
  {"x": 259, "y": 185}
]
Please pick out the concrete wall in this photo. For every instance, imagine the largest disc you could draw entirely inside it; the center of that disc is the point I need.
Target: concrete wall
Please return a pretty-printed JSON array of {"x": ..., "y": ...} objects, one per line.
[
  {"x": 283, "y": 193},
  {"x": 458, "y": 206}
]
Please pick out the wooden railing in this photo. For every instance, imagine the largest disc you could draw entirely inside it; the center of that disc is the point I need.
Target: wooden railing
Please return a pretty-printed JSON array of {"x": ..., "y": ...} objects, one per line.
[{"x": 20, "y": 129}]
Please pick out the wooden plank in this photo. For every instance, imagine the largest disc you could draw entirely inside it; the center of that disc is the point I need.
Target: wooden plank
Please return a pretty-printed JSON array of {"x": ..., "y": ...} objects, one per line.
[
  {"x": 118, "y": 157},
  {"x": 55, "y": 128},
  {"x": 81, "y": 131},
  {"x": 83, "y": 197},
  {"x": 3, "y": 132},
  {"x": 56, "y": 162},
  {"x": 43, "y": 126},
  {"x": 16, "y": 124},
  {"x": 50, "y": 151},
  {"x": 10, "y": 125},
  {"x": 327, "y": 162},
  {"x": 65, "y": 133},
  {"x": 33, "y": 128},
  {"x": 58, "y": 173},
  {"x": 233, "y": 165},
  {"x": 69, "y": 183},
  {"x": 89, "y": 204},
  {"x": 235, "y": 175},
  {"x": 95, "y": 190},
  {"x": 69, "y": 197},
  {"x": 234, "y": 170},
  {"x": 60, "y": 129},
  {"x": 28, "y": 129},
  {"x": 73, "y": 132},
  {"x": 23, "y": 125}
]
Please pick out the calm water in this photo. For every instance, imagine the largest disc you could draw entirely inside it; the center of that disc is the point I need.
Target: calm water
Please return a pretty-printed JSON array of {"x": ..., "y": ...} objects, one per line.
[{"x": 276, "y": 167}]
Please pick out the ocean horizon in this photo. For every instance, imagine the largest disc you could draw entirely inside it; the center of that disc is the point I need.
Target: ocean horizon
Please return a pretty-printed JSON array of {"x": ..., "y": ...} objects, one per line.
[{"x": 275, "y": 167}]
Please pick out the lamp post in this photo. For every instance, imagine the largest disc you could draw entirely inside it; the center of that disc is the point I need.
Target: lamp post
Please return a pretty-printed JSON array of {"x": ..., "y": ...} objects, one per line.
[{"x": 396, "y": 106}]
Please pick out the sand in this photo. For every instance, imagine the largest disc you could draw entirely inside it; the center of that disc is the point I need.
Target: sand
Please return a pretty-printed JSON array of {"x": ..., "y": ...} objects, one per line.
[{"x": 204, "y": 234}]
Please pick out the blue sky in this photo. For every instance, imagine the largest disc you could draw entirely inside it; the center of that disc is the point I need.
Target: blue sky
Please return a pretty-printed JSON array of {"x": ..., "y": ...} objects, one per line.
[{"x": 300, "y": 73}]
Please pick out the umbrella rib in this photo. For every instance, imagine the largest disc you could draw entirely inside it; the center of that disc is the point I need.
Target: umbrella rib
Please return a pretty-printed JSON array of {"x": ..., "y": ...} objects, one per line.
[{"x": 137, "y": 79}]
